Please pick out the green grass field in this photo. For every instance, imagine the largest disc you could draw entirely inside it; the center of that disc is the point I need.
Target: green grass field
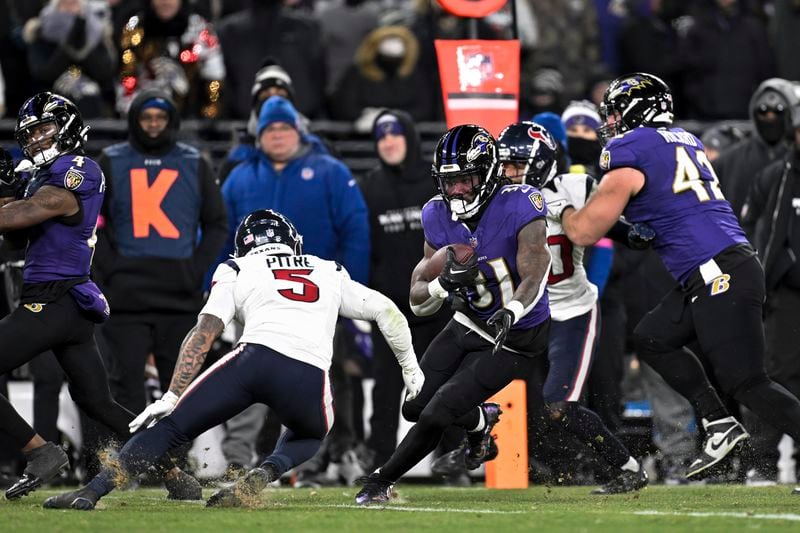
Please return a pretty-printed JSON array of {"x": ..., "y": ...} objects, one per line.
[{"x": 426, "y": 508}]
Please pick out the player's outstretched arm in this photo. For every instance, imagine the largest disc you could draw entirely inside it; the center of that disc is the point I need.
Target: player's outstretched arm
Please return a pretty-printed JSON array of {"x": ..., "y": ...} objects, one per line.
[
  {"x": 533, "y": 264},
  {"x": 48, "y": 202},
  {"x": 425, "y": 298},
  {"x": 363, "y": 303},
  {"x": 586, "y": 226}
]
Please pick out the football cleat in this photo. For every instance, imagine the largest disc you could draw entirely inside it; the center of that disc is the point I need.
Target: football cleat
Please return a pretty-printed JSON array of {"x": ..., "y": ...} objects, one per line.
[
  {"x": 722, "y": 436},
  {"x": 245, "y": 488},
  {"x": 44, "y": 463},
  {"x": 479, "y": 443},
  {"x": 83, "y": 499},
  {"x": 183, "y": 487},
  {"x": 627, "y": 481},
  {"x": 375, "y": 490}
]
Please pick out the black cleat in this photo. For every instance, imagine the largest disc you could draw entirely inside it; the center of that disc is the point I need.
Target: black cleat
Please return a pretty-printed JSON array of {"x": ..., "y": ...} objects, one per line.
[
  {"x": 82, "y": 499},
  {"x": 479, "y": 443},
  {"x": 183, "y": 487},
  {"x": 722, "y": 436},
  {"x": 44, "y": 463},
  {"x": 375, "y": 490},
  {"x": 627, "y": 481},
  {"x": 244, "y": 489},
  {"x": 450, "y": 463},
  {"x": 796, "y": 491}
]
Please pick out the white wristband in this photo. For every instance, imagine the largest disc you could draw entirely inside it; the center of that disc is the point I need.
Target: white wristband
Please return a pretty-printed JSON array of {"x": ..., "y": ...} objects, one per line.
[
  {"x": 436, "y": 290},
  {"x": 517, "y": 309}
]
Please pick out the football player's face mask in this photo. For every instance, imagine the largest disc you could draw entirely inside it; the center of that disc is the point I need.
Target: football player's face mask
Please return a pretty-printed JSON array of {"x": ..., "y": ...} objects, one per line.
[
  {"x": 39, "y": 143},
  {"x": 465, "y": 169}
]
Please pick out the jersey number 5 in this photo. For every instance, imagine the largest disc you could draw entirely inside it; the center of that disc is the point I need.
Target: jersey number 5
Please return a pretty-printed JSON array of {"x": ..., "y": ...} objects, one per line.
[{"x": 310, "y": 290}]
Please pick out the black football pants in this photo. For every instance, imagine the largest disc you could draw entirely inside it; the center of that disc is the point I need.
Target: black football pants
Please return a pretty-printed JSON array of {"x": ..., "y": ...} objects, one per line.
[
  {"x": 460, "y": 374},
  {"x": 58, "y": 326},
  {"x": 726, "y": 329}
]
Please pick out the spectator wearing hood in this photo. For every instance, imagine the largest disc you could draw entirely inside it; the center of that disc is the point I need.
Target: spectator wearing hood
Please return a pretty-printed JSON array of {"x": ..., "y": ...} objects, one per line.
[
  {"x": 395, "y": 192},
  {"x": 739, "y": 164},
  {"x": 70, "y": 51},
  {"x": 771, "y": 215},
  {"x": 271, "y": 80},
  {"x": 386, "y": 73},
  {"x": 160, "y": 195},
  {"x": 169, "y": 47}
]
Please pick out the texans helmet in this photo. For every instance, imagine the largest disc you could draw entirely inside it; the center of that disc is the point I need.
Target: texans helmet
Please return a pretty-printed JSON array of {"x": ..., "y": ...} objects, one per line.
[
  {"x": 49, "y": 125},
  {"x": 634, "y": 100},
  {"x": 529, "y": 145},
  {"x": 465, "y": 169},
  {"x": 269, "y": 232}
]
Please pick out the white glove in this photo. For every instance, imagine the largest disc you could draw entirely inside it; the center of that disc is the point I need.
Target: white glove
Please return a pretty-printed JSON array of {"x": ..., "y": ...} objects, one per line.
[
  {"x": 154, "y": 412},
  {"x": 414, "y": 379}
]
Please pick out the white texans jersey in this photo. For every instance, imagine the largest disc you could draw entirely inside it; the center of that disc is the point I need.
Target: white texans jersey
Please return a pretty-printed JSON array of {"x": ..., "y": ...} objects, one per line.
[
  {"x": 289, "y": 303},
  {"x": 571, "y": 293}
]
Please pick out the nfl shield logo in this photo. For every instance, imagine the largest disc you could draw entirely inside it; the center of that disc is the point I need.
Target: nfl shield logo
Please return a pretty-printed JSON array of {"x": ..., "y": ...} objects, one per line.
[{"x": 473, "y": 241}]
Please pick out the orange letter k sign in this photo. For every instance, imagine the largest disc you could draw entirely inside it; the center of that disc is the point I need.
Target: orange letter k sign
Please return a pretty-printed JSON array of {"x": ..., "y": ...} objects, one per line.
[{"x": 146, "y": 203}]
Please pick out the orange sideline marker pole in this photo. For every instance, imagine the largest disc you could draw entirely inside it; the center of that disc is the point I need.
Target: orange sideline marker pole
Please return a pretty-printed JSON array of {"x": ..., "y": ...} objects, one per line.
[{"x": 510, "y": 469}]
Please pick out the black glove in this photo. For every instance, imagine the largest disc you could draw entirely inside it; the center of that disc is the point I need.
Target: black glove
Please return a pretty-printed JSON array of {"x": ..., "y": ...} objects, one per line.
[
  {"x": 455, "y": 275},
  {"x": 640, "y": 236},
  {"x": 501, "y": 321},
  {"x": 9, "y": 182}
]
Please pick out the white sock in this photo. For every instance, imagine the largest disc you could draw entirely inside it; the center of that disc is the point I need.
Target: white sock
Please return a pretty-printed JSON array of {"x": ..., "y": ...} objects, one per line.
[
  {"x": 481, "y": 422},
  {"x": 631, "y": 465}
]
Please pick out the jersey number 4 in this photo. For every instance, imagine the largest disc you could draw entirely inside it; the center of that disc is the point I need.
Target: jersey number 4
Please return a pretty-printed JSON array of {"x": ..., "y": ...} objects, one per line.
[
  {"x": 310, "y": 290},
  {"x": 689, "y": 175}
]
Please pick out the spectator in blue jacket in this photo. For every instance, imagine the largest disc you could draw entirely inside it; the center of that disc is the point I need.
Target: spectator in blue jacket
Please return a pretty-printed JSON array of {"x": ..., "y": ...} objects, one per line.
[
  {"x": 317, "y": 192},
  {"x": 320, "y": 195}
]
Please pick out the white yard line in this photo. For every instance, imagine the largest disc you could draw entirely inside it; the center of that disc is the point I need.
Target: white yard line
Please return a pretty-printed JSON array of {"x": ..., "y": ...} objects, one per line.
[
  {"x": 721, "y": 514},
  {"x": 416, "y": 509}
]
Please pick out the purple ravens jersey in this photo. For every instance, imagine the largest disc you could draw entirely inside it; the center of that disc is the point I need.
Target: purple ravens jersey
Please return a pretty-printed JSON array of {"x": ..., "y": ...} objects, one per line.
[
  {"x": 681, "y": 199},
  {"x": 61, "y": 248},
  {"x": 495, "y": 243}
]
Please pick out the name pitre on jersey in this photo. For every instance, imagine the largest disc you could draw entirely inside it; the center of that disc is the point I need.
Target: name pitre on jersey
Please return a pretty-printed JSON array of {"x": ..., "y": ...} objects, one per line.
[
  {"x": 571, "y": 292},
  {"x": 288, "y": 303}
]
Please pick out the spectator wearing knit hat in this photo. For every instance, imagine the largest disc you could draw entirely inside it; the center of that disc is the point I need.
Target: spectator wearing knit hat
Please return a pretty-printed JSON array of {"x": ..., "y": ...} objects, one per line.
[
  {"x": 270, "y": 80},
  {"x": 581, "y": 121}
]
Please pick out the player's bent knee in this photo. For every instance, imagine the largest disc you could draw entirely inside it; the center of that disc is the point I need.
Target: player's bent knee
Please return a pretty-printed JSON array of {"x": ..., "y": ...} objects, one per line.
[{"x": 434, "y": 418}]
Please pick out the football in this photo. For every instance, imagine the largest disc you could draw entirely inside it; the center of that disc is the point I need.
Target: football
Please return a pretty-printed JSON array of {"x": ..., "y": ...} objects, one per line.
[{"x": 436, "y": 262}]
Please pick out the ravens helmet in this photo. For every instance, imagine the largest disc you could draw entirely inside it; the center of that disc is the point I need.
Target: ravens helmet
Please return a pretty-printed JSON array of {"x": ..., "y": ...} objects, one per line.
[
  {"x": 49, "y": 125},
  {"x": 634, "y": 100},
  {"x": 268, "y": 231},
  {"x": 530, "y": 146},
  {"x": 465, "y": 169}
]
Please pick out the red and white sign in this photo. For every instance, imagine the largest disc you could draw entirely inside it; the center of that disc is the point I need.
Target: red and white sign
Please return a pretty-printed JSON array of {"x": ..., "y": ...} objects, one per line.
[{"x": 480, "y": 82}]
